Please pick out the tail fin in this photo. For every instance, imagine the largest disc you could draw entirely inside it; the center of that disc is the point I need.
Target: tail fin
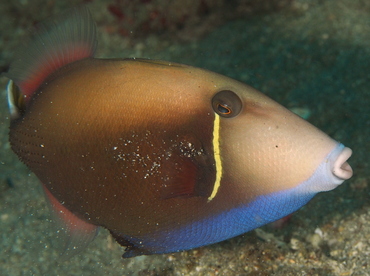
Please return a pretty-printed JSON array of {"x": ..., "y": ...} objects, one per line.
[{"x": 55, "y": 43}]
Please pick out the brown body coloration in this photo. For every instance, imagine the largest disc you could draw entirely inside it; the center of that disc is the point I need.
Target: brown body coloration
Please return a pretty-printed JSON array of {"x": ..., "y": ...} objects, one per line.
[
  {"x": 132, "y": 155},
  {"x": 145, "y": 148}
]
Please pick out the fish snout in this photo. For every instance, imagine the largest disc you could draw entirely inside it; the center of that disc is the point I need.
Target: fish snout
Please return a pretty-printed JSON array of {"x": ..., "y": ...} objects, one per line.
[{"x": 339, "y": 168}]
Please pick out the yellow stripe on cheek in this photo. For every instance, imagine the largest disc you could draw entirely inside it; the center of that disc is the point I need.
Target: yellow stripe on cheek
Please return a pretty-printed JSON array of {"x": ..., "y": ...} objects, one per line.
[{"x": 217, "y": 156}]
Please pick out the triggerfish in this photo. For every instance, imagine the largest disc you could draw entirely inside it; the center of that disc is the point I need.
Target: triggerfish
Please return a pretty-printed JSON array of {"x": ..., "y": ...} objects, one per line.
[{"x": 166, "y": 156}]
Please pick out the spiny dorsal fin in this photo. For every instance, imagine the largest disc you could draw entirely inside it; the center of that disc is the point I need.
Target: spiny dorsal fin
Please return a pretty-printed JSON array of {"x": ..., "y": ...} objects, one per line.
[{"x": 55, "y": 43}]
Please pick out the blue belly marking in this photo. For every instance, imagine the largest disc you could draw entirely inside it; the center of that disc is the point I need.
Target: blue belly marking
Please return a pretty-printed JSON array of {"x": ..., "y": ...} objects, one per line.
[{"x": 264, "y": 209}]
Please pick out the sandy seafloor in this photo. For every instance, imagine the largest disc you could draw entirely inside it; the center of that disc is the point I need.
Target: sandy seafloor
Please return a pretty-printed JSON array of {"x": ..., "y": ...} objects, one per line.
[{"x": 313, "y": 55}]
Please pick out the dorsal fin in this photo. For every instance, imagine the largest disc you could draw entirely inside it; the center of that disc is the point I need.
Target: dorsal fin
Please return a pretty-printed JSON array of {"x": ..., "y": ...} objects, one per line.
[{"x": 55, "y": 43}]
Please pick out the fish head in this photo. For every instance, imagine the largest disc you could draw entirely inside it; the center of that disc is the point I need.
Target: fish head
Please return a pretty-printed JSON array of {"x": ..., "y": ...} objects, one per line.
[{"x": 268, "y": 148}]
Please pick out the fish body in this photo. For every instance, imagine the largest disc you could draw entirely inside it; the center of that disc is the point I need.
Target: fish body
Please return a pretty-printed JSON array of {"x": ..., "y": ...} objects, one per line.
[{"x": 166, "y": 156}]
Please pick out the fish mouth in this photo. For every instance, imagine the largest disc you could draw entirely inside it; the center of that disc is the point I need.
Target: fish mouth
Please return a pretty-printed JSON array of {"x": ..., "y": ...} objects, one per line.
[
  {"x": 333, "y": 170},
  {"x": 341, "y": 169}
]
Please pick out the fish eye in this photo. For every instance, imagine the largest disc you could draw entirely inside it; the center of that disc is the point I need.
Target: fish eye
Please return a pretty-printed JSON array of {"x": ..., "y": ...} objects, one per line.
[{"x": 227, "y": 104}]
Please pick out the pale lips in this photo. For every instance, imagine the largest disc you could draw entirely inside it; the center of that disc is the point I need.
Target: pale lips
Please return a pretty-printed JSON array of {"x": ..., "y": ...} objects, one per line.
[{"x": 341, "y": 169}]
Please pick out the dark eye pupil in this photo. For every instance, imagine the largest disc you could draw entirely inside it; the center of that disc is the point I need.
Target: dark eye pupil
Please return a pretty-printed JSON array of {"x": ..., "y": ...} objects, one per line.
[
  {"x": 224, "y": 109},
  {"x": 227, "y": 104}
]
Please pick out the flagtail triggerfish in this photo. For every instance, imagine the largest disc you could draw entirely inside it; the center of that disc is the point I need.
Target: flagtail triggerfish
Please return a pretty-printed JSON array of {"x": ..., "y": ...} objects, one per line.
[{"x": 166, "y": 156}]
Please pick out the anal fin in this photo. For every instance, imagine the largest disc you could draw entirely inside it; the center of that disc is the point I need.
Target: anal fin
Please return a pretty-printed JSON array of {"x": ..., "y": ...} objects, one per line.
[{"x": 76, "y": 233}]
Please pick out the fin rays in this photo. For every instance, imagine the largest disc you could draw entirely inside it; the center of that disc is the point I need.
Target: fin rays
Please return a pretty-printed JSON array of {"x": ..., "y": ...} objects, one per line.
[{"x": 55, "y": 43}]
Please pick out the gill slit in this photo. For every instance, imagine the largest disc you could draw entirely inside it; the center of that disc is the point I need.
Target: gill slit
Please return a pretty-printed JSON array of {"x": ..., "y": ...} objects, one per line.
[{"x": 217, "y": 157}]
